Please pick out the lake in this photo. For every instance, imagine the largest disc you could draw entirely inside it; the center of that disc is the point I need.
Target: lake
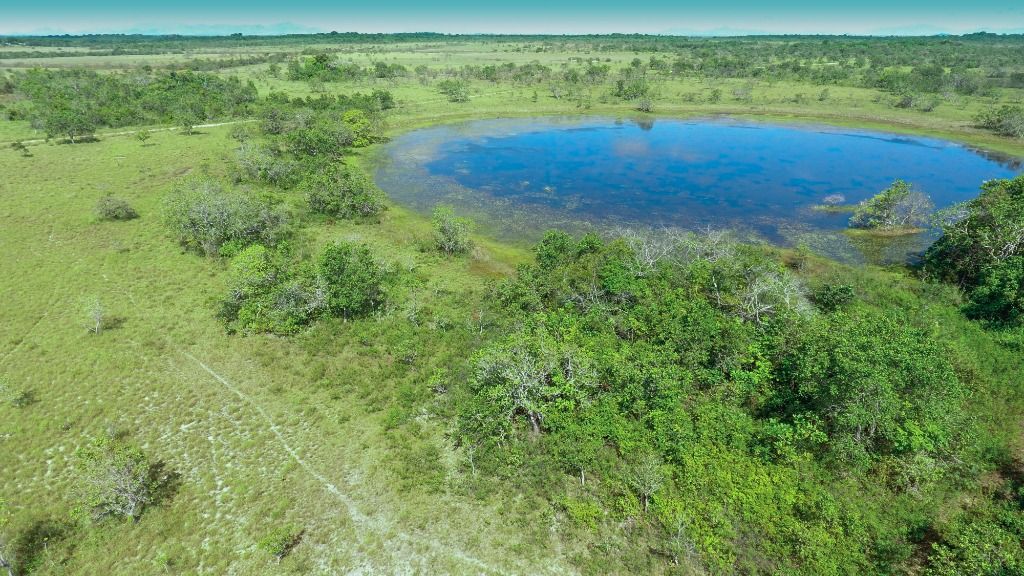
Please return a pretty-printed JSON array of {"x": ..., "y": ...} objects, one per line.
[{"x": 518, "y": 177}]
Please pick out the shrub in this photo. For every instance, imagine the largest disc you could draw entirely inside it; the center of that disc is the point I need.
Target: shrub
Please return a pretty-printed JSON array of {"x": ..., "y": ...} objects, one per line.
[
  {"x": 898, "y": 206},
  {"x": 343, "y": 192},
  {"x": 265, "y": 295},
  {"x": 110, "y": 208},
  {"x": 113, "y": 479},
  {"x": 1006, "y": 120},
  {"x": 259, "y": 163},
  {"x": 451, "y": 233},
  {"x": 354, "y": 281},
  {"x": 455, "y": 90},
  {"x": 831, "y": 297},
  {"x": 323, "y": 139},
  {"x": 280, "y": 541},
  {"x": 207, "y": 218}
]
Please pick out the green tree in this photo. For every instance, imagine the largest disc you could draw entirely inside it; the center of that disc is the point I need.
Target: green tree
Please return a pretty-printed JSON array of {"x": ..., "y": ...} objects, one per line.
[
  {"x": 208, "y": 218},
  {"x": 354, "y": 280},
  {"x": 341, "y": 191}
]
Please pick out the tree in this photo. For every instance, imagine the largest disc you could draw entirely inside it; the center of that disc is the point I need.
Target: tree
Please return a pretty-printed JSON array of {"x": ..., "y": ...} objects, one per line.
[
  {"x": 878, "y": 384},
  {"x": 451, "y": 233},
  {"x": 341, "y": 191},
  {"x": 113, "y": 479},
  {"x": 353, "y": 279},
  {"x": 980, "y": 234},
  {"x": 189, "y": 113},
  {"x": 529, "y": 374},
  {"x": 646, "y": 476},
  {"x": 76, "y": 121},
  {"x": 897, "y": 207},
  {"x": 96, "y": 313}
]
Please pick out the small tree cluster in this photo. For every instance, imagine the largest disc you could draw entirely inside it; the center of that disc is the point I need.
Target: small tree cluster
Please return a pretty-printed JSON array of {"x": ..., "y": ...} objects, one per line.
[
  {"x": 269, "y": 293},
  {"x": 208, "y": 218},
  {"x": 340, "y": 191}
]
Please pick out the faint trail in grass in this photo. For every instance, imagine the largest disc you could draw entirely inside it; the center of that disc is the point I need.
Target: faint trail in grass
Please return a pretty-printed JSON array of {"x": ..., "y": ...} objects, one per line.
[{"x": 360, "y": 519}]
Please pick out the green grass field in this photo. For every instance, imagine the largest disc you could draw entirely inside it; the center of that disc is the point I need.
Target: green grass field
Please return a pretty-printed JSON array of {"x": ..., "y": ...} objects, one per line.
[{"x": 337, "y": 430}]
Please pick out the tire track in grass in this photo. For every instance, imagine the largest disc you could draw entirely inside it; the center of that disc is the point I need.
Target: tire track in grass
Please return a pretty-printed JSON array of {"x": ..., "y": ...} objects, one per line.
[{"x": 360, "y": 519}]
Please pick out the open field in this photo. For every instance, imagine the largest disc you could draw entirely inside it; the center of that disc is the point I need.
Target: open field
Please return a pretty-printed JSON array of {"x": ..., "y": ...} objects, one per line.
[{"x": 348, "y": 430}]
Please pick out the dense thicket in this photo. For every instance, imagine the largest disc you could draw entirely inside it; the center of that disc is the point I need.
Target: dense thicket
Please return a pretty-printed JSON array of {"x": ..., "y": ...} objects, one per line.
[
  {"x": 689, "y": 382},
  {"x": 74, "y": 103},
  {"x": 982, "y": 250}
]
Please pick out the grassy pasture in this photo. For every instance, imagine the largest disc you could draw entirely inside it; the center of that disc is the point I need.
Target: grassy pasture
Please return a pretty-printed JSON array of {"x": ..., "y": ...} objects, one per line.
[{"x": 338, "y": 430}]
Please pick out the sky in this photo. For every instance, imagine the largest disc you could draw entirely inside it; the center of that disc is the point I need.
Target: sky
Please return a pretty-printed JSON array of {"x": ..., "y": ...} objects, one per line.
[{"x": 703, "y": 17}]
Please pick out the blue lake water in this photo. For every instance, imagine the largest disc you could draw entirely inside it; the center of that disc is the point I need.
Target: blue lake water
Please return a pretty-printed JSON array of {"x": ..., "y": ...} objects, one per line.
[{"x": 519, "y": 177}]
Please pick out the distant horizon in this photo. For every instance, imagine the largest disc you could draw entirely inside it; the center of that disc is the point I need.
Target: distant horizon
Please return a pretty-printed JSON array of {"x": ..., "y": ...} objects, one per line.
[
  {"x": 214, "y": 31},
  {"x": 523, "y": 17}
]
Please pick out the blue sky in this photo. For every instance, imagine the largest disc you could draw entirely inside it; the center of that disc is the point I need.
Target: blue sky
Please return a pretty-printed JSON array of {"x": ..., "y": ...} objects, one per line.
[{"x": 520, "y": 16}]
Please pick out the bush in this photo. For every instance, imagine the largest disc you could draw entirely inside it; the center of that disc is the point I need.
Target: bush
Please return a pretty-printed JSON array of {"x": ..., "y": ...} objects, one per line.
[
  {"x": 354, "y": 281},
  {"x": 898, "y": 206},
  {"x": 455, "y": 90},
  {"x": 110, "y": 208},
  {"x": 113, "y": 479},
  {"x": 451, "y": 233},
  {"x": 831, "y": 297},
  {"x": 280, "y": 541},
  {"x": 1006, "y": 120},
  {"x": 269, "y": 293},
  {"x": 208, "y": 218},
  {"x": 339, "y": 191},
  {"x": 261, "y": 164}
]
